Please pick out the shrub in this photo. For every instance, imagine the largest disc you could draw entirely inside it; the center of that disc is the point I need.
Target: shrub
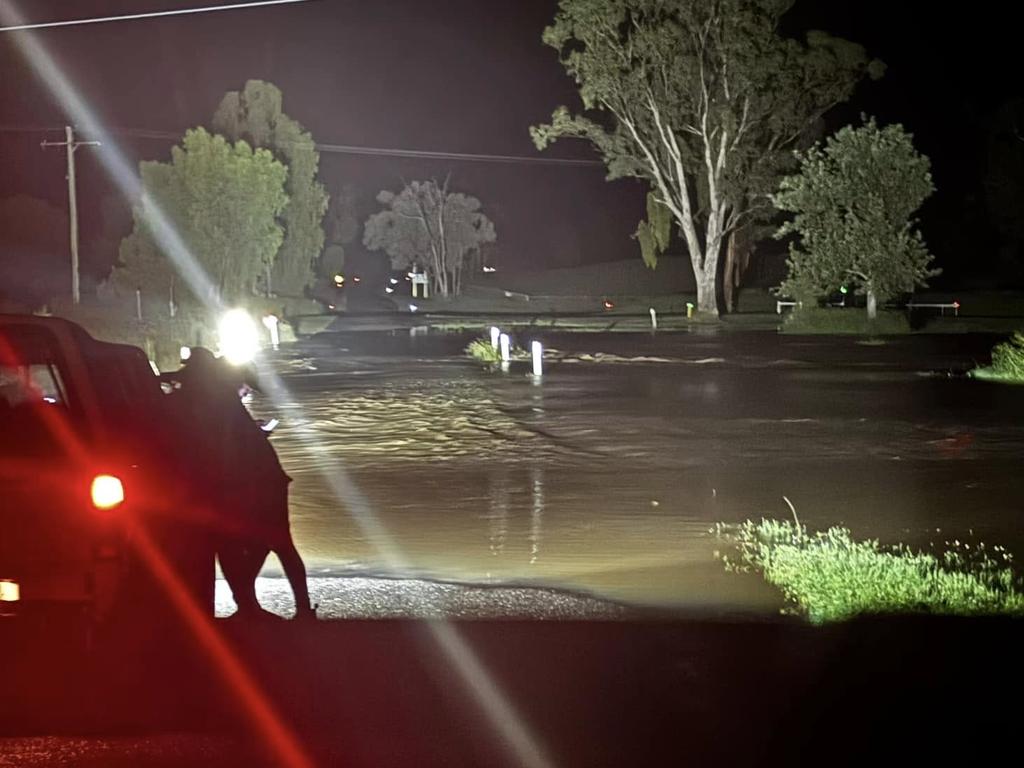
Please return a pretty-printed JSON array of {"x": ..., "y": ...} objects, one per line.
[
  {"x": 481, "y": 349},
  {"x": 1008, "y": 358},
  {"x": 827, "y": 576}
]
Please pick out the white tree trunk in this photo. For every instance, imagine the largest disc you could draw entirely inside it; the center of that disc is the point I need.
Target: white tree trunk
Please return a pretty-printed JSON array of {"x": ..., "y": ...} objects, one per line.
[
  {"x": 707, "y": 300},
  {"x": 872, "y": 305}
]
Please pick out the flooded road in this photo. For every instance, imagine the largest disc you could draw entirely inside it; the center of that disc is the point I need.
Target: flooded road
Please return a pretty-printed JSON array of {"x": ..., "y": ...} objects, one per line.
[{"x": 605, "y": 476}]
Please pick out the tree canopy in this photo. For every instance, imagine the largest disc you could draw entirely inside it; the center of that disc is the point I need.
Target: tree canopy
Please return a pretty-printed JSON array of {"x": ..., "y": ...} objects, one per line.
[
  {"x": 853, "y": 202},
  {"x": 255, "y": 115},
  {"x": 427, "y": 226},
  {"x": 223, "y": 200},
  {"x": 703, "y": 99}
]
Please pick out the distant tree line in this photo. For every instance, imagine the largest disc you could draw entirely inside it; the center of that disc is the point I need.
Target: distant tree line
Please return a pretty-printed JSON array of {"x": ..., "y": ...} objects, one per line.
[{"x": 245, "y": 203}]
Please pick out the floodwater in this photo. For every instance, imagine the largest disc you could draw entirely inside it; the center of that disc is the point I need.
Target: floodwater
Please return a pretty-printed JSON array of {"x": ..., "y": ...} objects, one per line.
[{"x": 605, "y": 476}]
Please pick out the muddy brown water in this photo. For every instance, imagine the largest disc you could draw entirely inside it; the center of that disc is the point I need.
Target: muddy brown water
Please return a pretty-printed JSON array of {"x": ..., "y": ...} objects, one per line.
[{"x": 606, "y": 476}]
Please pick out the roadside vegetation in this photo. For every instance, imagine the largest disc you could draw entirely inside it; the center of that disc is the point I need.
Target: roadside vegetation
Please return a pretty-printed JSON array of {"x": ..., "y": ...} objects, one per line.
[
  {"x": 828, "y": 576},
  {"x": 1007, "y": 362},
  {"x": 481, "y": 349}
]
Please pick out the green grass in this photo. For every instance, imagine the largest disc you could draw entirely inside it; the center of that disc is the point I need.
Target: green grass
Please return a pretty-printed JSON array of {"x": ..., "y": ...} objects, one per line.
[
  {"x": 481, "y": 349},
  {"x": 828, "y": 576},
  {"x": 1007, "y": 362},
  {"x": 854, "y": 321}
]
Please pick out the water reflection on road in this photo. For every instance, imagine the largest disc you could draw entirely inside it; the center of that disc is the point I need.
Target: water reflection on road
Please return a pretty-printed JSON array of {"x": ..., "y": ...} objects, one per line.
[{"x": 606, "y": 477}]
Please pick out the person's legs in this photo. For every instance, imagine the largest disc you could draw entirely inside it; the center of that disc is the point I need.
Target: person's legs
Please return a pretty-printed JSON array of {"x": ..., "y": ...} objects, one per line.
[
  {"x": 241, "y": 562},
  {"x": 295, "y": 570},
  {"x": 284, "y": 546}
]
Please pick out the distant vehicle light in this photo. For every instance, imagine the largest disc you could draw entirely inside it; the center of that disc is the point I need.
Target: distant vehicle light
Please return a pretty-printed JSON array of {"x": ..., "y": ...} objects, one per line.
[
  {"x": 356, "y": 279},
  {"x": 239, "y": 337},
  {"x": 49, "y": 399},
  {"x": 956, "y": 305},
  {"x": 339, "y": 280},
  {"x": 331, "y": 306},
  {"x": 10, "y": 591},
  {"x": 389, "y": 289},
  {"x": 413, "y": 307},
  {"x": 489, "y": 270},
  {"x": 393, "y": 281},
  {"x": 608, "y": 304},
  {"x": 185, "y": 353},
  {"x": 106, "y": 491}
]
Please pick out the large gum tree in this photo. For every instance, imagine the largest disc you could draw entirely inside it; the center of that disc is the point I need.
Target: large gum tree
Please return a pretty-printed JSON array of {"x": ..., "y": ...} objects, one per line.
[{"x": 703, "y": 99}]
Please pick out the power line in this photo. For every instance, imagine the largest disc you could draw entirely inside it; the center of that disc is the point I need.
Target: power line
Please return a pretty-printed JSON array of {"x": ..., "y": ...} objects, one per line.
[
  {"x": 148, "y": 15},
  {"x": 352, "y": 149},
  {"x": 469, "y": 157}
]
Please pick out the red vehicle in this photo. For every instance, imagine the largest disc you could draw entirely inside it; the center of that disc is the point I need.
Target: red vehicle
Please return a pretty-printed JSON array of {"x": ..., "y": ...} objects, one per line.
[{"x": 87, "y": 478}]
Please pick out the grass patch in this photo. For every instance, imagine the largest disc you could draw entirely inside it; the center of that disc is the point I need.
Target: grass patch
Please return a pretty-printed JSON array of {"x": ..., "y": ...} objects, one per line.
[
  {"x": 481, "y": 349},
  {"x": 834, "y": 320},
  {"x": 1007, "y": 362},
  {"x": 828, "y": 576}
]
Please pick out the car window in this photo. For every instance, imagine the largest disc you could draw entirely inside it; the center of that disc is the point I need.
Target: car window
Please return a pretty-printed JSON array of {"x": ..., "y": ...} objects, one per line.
[{"x": 33, "y": 405}]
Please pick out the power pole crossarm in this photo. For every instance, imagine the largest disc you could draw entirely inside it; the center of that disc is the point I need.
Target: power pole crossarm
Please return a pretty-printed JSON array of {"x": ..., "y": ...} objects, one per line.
[{"x": 71, "y": 145}]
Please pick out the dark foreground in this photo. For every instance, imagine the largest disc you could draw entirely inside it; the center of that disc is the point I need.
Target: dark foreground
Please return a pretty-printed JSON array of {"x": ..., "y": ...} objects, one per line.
[{"x": 388, "y": 693}]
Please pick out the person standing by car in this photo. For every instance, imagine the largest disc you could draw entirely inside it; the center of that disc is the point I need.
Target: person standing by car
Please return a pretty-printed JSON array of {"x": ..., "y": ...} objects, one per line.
[{"x": 242, "y": 483}]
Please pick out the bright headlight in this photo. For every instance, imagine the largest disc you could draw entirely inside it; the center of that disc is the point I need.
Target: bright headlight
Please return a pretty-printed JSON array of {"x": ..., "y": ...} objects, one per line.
[{"x": 239, "y": 336}]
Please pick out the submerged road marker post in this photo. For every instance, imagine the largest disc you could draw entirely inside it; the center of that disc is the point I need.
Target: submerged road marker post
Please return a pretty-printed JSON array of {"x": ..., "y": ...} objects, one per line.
[
  {"x": 538, "y": 358},
  {"x": 270, "y": 323},
  {"x": 505, "y": 352},
  {"x": 495, "y": 333},
  {"x": 689, "y": 309},
  {"x": 654, "y": 319}
]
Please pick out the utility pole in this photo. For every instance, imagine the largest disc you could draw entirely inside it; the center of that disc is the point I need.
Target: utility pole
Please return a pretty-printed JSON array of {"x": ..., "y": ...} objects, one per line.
[{"x": 72, "y": 145}]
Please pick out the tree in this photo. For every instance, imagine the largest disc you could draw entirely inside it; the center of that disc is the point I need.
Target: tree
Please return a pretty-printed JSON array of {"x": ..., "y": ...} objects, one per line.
[
  {"x": 341, "y": 229},
  {"x": 853, "y": 200},
  {"x": 701, "y": 98},
  {"x": 426, "y": 225},
  {"x": 256, "y": 116},
  {"x": 223, "y": 200}
]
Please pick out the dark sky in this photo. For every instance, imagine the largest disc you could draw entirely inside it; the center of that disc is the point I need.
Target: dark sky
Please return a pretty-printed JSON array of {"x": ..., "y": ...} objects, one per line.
[{"x": 464, "y": 76}]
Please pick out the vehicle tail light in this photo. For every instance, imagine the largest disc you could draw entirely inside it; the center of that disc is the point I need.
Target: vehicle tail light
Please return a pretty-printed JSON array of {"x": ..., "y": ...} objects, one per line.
[
  {"x": 106, "y": 492},
  {"x": 10, "y": 592}
]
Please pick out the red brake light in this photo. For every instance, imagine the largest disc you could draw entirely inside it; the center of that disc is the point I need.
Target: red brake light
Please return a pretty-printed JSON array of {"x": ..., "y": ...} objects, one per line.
[{"x": 106, "y": 492}]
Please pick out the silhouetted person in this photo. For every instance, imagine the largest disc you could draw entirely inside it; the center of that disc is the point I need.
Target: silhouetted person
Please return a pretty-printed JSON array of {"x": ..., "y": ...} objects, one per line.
[{"x": 242, "y": 482}]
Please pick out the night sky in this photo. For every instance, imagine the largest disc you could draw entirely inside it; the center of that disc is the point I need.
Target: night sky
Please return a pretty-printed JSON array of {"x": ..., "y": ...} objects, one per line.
[{"x": 471, "y": 77}]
